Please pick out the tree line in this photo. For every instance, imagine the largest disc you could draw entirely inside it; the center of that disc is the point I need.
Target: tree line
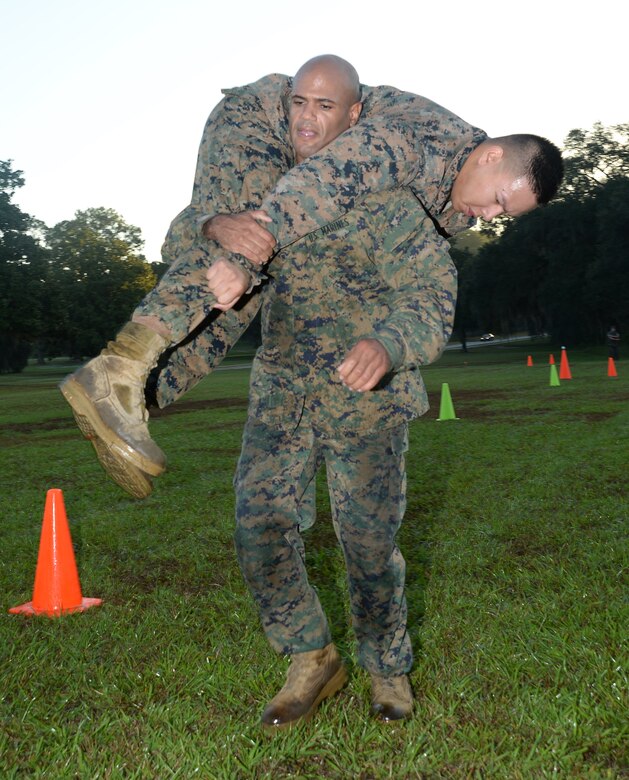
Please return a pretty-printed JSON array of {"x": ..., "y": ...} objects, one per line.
[
  {"x": 562, "y": 269},
  {"x": 64, "y": 290}
]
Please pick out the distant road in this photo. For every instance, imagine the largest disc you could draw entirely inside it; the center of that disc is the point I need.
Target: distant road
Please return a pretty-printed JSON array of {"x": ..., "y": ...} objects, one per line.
[
  {"x": 233, "y": 366},
  {"x": 497, "y": 340}
]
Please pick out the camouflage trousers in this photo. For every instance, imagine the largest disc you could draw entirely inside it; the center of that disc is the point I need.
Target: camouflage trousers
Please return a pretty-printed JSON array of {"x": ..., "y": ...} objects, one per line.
[
  {"x": 181, "y": 299},
  {"x": 200, "y": 336},
  {"x": 366, "y": 477}
]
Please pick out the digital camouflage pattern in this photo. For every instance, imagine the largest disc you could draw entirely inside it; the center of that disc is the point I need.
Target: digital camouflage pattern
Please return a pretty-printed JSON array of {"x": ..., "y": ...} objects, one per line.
[
  {"x": 245, "y": 161},
  {"x": 382, "y": 271},
  {"x": 400, "y": 140},
  {"x": 244, "y": 151},
  {"x": 367, "y": 483}
]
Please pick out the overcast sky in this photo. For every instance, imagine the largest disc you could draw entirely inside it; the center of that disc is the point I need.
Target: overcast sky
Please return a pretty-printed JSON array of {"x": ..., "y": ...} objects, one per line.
[{"x": 103, "y": 103}]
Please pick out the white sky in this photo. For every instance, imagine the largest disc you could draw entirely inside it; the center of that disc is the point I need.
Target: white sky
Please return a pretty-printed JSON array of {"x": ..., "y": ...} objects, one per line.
[{"x": 103, "y": 103}]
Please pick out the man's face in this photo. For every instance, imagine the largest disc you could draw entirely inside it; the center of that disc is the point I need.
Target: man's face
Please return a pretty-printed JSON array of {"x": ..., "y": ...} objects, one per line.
[
  {"x": 321, "y": 108},
  {"x": 486, "y": 187}
]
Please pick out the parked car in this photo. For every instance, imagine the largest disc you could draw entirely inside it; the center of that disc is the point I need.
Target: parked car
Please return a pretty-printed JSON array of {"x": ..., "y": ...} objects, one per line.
[{"x": 487, "y": 337}]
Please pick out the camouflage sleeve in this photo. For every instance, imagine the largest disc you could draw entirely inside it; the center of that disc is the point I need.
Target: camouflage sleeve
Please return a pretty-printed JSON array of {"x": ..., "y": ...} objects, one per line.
[
  {"x": 241, "y": 156},
  {"x": 374, "y": 155},
  {"x": 414, "y": 260}
]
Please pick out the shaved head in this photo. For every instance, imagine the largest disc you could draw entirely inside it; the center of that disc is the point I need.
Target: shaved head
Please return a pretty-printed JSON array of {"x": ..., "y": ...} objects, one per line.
[{"x": 336, "y": 68}]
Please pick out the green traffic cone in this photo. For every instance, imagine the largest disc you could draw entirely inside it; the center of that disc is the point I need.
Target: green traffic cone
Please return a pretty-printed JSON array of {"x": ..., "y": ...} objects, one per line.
[
  {"x": 446, "y": 410},
  {"x": 554, "y": 379}
]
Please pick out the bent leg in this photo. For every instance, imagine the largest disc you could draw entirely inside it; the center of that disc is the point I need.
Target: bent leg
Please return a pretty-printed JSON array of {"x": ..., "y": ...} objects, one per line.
[
  {"x": 180, "y": 300},
  {"x": 182, "y": 367}
]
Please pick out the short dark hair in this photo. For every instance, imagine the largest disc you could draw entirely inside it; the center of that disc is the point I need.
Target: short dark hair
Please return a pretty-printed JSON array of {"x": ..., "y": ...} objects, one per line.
[{"x": 539, "y": 160}]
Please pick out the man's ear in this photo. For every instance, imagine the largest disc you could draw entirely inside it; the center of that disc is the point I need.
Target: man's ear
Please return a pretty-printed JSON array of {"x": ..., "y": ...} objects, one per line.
[
  {"x": 354, "y": 113},
  {"x": 492, "y": 153}
]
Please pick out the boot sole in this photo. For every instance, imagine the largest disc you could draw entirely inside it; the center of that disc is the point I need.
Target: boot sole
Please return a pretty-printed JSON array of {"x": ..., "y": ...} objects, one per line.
[
  {"x": 333, "y": 685},
  {"x": 126, "y": 476},
  {"x": 92, "y": 427}
]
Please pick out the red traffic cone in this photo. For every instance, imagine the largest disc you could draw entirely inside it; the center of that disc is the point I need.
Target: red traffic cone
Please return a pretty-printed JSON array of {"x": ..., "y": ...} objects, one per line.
[
  {"x": 57, "y": 589},
  {"x": 551, "y": 360},
  {"x": 564, "y": 367},
  {"x": 529, "y": 361},
  {"x": 611, "y": 367}
]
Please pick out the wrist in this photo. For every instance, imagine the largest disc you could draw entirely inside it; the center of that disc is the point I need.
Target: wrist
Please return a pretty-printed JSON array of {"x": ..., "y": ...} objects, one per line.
[
  {"x": 207, "y": 228},
  {"x": 393, "y": 345}
]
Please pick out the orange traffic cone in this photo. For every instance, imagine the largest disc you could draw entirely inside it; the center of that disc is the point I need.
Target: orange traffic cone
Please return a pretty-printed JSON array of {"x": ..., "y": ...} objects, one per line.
[
  {"x": 564, "y": 367},
  {"x": 611, "y": 367},
  {"x": 551, "y": 360},
  {"x": 57, "y": 588},
  {"x": 529, "y": 361}
]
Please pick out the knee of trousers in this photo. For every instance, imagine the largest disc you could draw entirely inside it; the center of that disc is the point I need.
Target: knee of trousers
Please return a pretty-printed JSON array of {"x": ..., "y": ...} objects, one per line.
[
  {"x": 259, "y": 533},
  {"x": 369, "y": 547},
  {"x": 267, "y": 558},
  {"x": 260, "y": 505}
]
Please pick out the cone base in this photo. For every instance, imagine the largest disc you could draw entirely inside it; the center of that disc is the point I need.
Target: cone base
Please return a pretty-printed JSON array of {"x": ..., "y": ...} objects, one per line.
[
  {"x": 443, "y": 419},
  {"x": 29, "y": 609}
]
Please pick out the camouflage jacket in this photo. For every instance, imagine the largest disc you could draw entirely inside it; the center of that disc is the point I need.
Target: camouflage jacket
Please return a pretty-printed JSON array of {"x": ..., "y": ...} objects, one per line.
[
  {"x": 382, "y": 272},
  {"x": 245, "y": 161}
]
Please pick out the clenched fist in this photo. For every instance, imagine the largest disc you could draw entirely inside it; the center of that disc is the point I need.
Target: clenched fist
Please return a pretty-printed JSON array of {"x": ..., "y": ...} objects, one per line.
[
  {"x": 227, "y": 281},
  {"x": 364, "y": 365}
]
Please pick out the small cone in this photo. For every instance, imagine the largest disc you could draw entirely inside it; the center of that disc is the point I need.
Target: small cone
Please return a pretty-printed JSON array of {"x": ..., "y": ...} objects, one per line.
[
  {"x": 529, "y": 361},
  {"x": 551, "y": 360},
  {"x": 564, "y": 367},
  {"x": 611, "y": 367},
  {"x": 554, "y": 379},
  {"x": 446, "y": 409},
  {"x": 57, "y": 589}
]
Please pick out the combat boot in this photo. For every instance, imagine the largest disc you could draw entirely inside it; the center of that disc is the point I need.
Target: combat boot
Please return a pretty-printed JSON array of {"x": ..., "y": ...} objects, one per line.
[
  {"x": 107, "y": 399},
  {"x": 312, "y": 677},
  {"x": 391, "y": 697},
  {"x": 123, "y": 473}
]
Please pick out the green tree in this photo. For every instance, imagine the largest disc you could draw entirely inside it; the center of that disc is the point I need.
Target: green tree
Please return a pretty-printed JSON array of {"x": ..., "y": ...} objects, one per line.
[
  {"x": 563, "y": 267},
  {"x": 594, "y": 157},
  {"x": 587, "y": 279},
  {"x": 464, "y": 248},
  {"x": 607, "y": 279},
  {"x": 99, "y": 276},
  {"x": 23, "y": 274}
]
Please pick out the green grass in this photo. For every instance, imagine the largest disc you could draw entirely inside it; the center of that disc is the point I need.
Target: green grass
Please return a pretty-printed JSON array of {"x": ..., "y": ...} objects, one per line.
[{"x": 516, "y": 545}]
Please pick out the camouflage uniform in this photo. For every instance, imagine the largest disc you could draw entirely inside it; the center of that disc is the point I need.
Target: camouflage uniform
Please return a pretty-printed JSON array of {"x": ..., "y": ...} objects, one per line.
[
  {"x": 382, "y": 272},
  {"x": 245, "y": 161},
  {"x": 244, "y": 151}
]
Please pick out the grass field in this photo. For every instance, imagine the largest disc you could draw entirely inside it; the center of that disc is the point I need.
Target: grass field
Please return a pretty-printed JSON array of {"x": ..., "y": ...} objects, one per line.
[{"x": 516, "y": 545}]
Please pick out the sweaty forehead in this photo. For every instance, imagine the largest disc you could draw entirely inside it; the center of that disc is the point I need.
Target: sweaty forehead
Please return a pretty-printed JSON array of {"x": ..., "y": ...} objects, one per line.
[
  {"x": 323, "y": 80},
  {"x": 314, "y": 94},
  {"x": 517, "y": 197}
]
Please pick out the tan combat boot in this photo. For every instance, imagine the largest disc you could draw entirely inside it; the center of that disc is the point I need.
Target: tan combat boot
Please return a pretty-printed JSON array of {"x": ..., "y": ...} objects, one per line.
[
  {"x": 312, "y": 677},
  {"x": 391, "y": 697},
  {"x": 127, "y": 476},
  {"x": 107, "y": 398}
]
